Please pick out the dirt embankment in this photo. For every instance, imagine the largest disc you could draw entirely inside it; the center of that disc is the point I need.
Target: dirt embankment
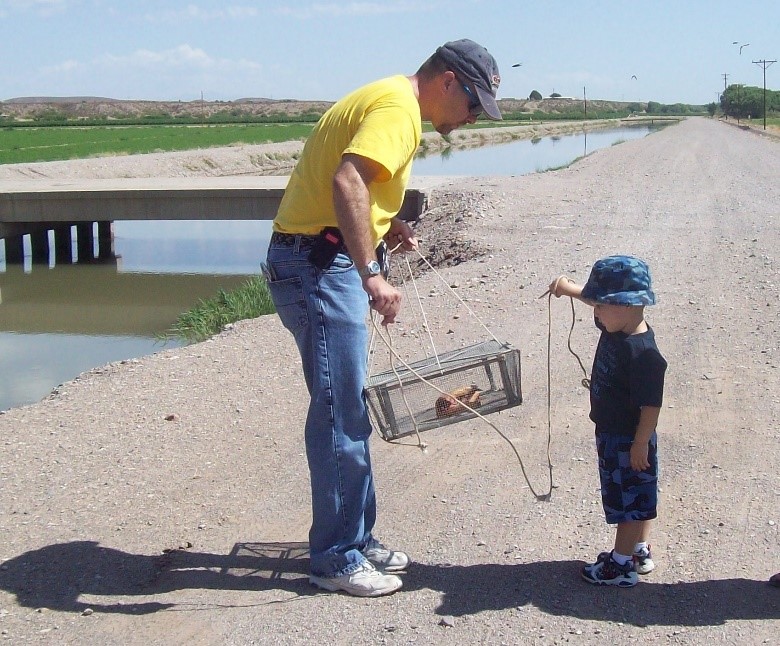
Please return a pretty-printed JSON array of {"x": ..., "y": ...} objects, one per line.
[{"x": 166, "y": 500}]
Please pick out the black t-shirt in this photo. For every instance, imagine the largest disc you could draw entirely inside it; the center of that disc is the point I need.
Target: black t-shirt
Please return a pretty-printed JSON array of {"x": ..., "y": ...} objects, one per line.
[{"x": 628, "y": 373}]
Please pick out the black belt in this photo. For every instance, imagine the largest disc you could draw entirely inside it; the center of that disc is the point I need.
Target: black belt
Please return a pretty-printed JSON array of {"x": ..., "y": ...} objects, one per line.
[{"x": 289, "y": 239}]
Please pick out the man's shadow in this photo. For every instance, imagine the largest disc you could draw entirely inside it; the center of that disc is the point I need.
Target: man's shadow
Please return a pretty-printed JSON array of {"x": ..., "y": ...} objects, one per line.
[{"x": 56, "y": 576}]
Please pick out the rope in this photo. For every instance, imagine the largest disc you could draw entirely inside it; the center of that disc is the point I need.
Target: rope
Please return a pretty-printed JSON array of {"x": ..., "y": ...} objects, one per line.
[
  {"x": 540, "y": 497},
  {"x": 457, "y": 296},
  {"x": 393, "y": 354},
  {"x": 585, "y": 380},
  {"x": 422, "y": 310}
]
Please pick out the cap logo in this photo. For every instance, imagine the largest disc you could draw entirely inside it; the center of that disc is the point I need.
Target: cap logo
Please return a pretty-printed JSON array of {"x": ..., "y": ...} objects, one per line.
[{"x": 495, "y": 80}]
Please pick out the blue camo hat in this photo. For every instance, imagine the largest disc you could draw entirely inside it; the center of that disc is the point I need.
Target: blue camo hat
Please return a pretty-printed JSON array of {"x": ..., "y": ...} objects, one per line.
[{"x": 619, "y": 280}]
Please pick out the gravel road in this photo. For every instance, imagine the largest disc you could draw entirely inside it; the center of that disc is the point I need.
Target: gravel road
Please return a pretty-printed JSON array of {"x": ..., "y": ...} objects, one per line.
[{"x": 165, "y": 500}]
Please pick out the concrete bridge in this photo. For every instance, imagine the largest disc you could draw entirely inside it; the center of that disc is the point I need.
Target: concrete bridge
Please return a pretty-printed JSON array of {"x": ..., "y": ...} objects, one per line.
[{"x": 35, "y": 207}]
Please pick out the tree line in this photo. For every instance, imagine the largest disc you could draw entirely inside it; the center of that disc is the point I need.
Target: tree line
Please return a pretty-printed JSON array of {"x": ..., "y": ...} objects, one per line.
[{"x": 746, "y": 101}]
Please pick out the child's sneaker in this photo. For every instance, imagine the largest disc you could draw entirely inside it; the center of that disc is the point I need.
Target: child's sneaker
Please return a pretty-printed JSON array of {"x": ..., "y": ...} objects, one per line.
[
  {"x": 605, "y": 571},
  {"x": 643, "y": 561}
]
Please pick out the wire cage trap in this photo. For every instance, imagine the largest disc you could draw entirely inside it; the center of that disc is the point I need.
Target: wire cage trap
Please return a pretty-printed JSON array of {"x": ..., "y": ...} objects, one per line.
[{"x": 485, "y": 377}]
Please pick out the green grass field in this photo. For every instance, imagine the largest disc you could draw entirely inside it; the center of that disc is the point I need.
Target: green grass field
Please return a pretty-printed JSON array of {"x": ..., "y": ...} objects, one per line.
[
  {"x": 770, "y": 121},
  {"x": 51, "y": 143},
  {"x": 19, "y": 145}
]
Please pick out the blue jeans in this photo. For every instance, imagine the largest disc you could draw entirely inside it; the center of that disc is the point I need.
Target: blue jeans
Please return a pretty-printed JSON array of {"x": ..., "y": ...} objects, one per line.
[{"x": 326, "y": 312}]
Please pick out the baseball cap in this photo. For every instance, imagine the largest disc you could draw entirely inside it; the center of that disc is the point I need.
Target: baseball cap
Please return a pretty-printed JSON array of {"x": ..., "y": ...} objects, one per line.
[
  {"x": 474, "y": 64},
  {"x": 619, "y": 280}
]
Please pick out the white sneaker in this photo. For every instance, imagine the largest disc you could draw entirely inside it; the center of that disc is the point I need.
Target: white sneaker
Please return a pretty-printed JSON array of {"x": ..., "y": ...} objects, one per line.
[
  {"x": 385, "y": 559},
  {"x": 365, "y": 582},
  {"x": 643, "y": 561}
]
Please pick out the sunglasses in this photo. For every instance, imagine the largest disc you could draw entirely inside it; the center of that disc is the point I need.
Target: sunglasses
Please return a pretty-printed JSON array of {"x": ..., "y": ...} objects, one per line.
[{"x": 475, "y": 107}]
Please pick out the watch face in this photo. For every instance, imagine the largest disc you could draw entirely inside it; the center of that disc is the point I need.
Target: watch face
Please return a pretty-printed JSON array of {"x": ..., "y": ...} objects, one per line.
[{"x": 371, "y": 269}]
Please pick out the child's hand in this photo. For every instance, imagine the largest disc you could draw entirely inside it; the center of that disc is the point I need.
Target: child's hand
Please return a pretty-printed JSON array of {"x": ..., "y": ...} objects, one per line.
[
  {"x": 561, "y": 286},
  {"x": 639, "y": 460},
  {"x": 554, "y": 286}
]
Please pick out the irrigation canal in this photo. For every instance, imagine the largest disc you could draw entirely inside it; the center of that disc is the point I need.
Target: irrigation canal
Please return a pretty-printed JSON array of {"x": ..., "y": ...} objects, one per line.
[{"x": 60, "y": 319}]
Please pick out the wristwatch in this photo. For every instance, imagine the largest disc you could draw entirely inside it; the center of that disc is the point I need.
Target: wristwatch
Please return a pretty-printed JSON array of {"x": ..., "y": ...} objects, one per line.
[{"x": 371, "y": 269}]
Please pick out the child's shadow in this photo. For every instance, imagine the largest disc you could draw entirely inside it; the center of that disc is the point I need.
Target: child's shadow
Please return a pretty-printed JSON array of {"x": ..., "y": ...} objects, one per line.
[
  {"x": 56, "y": 576},
  {"x": 555, "y": 587}
]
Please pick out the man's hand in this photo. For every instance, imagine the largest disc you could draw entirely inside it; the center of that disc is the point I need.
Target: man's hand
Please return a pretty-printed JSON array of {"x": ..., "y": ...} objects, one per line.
[
  {"x": 400, "y": 233},
  {"x": 383, "y": 298}
]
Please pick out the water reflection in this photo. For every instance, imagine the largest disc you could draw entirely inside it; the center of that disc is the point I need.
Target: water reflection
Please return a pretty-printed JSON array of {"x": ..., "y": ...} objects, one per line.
[
  {"x": 58, "y": 320},
  {"x": 33, "y": 364},
  {"x": 527, "y": 155},
  {"x": 99, "y": 300}
]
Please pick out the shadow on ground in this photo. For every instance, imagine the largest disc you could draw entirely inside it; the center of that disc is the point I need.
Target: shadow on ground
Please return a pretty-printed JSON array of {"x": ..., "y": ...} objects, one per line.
[{"x": 56, "y": 576}]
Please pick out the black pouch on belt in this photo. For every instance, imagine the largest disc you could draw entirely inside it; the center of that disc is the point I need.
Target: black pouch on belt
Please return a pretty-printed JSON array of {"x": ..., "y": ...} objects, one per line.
[{"x": 328, "y": 243}]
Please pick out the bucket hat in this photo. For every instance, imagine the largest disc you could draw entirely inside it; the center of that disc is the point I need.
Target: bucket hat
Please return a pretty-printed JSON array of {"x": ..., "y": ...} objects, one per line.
[{"x": 619, "y": 280}]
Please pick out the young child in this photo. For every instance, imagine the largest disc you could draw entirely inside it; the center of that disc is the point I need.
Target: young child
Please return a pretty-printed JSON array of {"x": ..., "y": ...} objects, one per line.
[{"x": 626, "y": 393}]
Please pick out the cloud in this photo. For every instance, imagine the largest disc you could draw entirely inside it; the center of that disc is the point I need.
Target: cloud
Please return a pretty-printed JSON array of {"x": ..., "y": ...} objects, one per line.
[
  {"x": 43, "y": 7},
  {"x": 62, "y": 68},
  {"x": 316, "y": 10},
  {"x": 182, "y": 56},
  {"x": 195, "y": 12},
  {"x": 169, "y": 74}
]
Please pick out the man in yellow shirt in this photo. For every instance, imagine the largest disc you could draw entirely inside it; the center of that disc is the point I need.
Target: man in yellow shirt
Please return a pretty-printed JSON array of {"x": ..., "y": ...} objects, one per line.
[{"x": 324, "y": 272}]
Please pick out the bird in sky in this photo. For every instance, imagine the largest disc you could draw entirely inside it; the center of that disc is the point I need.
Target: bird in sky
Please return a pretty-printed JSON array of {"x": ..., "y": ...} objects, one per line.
[
  {"x": 517, "y": 65},
  {"x": 633, "y": 76}
]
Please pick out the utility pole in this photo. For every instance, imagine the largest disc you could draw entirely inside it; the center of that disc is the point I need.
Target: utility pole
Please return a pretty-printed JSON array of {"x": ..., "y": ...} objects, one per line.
[
  {"x": 585, "y": 100},
  {"x": 739, "y": 101},
  {"x": 764, "y": 64},
  {"x": 720, "y": 98}
]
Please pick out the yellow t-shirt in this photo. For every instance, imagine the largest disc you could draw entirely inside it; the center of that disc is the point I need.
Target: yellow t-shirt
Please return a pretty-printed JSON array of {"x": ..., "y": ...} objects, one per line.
[{"x": 380, "y": 121}]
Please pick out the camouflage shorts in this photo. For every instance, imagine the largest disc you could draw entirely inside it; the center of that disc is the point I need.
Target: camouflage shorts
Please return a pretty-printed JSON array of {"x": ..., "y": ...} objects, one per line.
[{"x": 626, "y": 494}]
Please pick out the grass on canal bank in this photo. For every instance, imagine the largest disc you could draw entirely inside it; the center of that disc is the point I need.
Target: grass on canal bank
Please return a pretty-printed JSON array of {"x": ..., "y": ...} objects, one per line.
[
  {"x": 209, "y": 317},
  {"x": 27, "y": 145}
]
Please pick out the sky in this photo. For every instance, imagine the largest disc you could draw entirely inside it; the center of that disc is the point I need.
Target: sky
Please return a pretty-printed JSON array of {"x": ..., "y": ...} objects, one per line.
[{"x": 225, "y": 50}]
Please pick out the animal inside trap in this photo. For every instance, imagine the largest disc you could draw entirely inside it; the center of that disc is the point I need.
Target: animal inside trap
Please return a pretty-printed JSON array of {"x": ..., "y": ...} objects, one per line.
[{"x": 484, "y": 377}]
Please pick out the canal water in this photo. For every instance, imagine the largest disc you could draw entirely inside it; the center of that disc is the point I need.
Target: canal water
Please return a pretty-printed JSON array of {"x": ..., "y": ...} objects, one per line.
[{"x": 60, "y": 320}]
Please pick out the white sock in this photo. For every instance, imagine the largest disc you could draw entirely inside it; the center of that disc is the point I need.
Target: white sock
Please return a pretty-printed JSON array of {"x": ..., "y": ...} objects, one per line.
[
  {"x": 620, "y": 559},
  {"x": 640, "y": 547}
]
